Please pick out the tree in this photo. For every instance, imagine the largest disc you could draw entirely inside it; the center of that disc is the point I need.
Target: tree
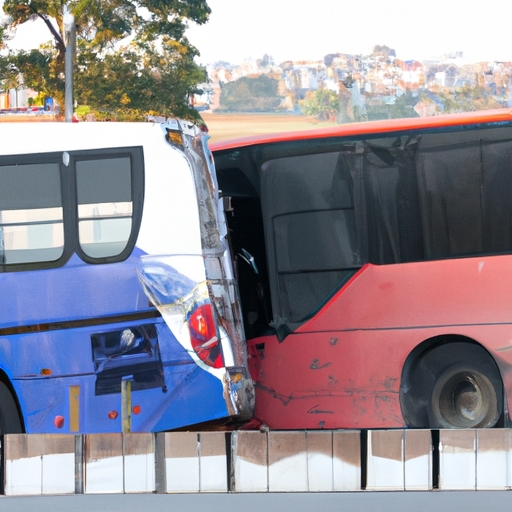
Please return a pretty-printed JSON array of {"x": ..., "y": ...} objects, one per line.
[
  {"x": 250, "y": 94},
  {"x": 468, "y": 98},
  {"x": 132, "y": 55},
  {"x": 322, "y": 104}
]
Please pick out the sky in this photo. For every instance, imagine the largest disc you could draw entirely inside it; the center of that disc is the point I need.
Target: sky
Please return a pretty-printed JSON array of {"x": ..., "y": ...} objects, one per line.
[{"x": 310, "y": 29}]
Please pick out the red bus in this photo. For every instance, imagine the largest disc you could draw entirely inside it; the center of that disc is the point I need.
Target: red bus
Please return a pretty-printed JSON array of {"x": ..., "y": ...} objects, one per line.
[{"x": 374, "y": 263}]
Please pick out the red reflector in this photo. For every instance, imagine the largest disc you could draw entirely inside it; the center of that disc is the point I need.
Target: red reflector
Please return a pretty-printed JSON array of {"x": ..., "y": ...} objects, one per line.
[
  {"x": 112, "y": 415},
  {"x": 136, "y": 409},
  {"x": 58, "y": 421},
  {"x": 203, "y": 335}
]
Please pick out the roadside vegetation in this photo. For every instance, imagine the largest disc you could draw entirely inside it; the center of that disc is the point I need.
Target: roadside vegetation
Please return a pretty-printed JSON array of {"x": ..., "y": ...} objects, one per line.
[{"x": 132, "y": 57}]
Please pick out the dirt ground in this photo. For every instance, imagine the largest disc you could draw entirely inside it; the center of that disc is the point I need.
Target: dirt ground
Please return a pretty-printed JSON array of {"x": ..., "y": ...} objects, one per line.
[{"x": 232, "y": 126}]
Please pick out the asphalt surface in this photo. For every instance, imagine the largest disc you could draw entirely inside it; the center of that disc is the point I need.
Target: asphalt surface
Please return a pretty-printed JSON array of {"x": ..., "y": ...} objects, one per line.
[{"x": 434, "y": 501}]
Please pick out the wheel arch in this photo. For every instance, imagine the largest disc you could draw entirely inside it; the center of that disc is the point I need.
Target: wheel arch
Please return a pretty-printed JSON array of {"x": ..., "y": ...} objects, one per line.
[
  {"x": 410, "y": 403},
  {"x": 4, "y": 379}
]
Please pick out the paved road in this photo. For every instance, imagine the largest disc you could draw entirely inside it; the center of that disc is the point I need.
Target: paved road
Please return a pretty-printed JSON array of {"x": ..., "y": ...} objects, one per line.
[{"x": 435, "y": 501}]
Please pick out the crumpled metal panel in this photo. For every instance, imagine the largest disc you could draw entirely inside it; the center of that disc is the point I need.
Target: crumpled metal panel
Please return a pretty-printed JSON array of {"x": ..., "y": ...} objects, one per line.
[{"x": 176, "y": 283}]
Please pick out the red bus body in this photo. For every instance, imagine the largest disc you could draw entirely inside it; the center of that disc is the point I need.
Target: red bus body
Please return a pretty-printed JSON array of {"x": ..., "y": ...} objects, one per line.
[{"x": 400, "y": 343}]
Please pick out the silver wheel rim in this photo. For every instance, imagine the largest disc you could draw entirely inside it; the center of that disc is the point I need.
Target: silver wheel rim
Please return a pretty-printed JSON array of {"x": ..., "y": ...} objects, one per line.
[{"x": 463, "y": 398}]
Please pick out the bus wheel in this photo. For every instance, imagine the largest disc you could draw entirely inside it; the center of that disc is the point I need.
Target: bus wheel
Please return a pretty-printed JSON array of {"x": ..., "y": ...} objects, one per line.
[
  {"x": 464, "y": 396},
  {"x": 9, "y": 418},
  {"x": 453, "y": 384}
]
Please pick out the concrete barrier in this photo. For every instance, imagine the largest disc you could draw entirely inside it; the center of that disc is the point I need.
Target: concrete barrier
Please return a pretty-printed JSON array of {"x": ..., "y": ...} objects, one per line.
[
  {"x": 457, "y": 460},
  {"x": 257, "y": 462},
  {"x": 39, "y": 464}
]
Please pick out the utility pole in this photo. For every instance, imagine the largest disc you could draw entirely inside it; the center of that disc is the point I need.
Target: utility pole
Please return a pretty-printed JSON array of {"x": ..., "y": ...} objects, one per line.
[{"x": 70, "y": 41}]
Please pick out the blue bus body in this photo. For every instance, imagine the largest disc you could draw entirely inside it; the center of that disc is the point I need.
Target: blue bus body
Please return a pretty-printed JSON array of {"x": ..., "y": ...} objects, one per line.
[{"x": 118, "y": 308}]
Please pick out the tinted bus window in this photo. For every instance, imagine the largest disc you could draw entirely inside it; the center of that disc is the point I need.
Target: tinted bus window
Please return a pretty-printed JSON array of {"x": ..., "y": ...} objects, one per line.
[
  {"x": 104, "y": 206},
  {"x": 31, "y": 215}
]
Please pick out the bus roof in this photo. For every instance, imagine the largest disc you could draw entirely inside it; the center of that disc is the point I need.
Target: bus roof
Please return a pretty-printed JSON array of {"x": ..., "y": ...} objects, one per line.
[{"x": 371, "y": 127}]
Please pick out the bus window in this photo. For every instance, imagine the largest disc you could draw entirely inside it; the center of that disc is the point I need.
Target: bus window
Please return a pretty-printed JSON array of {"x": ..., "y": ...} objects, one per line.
[
  {"x": 310, "y": 229},
  {"x": 31, "y": 217},
  {"x": 104, "y": 206}
]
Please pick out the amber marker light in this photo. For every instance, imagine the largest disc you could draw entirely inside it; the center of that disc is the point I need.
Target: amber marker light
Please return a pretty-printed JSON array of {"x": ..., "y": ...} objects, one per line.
[
  {"x": 136, "y": 409},
  {"x": 112, "y": 415},
  {"x": 45, "y": 371}
]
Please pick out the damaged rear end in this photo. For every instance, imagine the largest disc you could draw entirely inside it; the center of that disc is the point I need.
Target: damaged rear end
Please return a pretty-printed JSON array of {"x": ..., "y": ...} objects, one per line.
[{"x": 196, "y": 293}]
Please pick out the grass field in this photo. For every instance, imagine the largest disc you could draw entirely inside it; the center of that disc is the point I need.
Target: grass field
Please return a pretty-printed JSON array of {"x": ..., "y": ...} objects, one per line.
[
  {"x": 26, "y": 119},
  {"x": 231, "y": 126}
]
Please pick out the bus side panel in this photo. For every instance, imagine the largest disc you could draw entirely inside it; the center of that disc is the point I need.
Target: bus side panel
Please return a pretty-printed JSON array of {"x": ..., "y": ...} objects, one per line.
[
  {"x": 76, "y": 291},
  {"x": 342, "y": 368},
  {"x": 169, "y": 389},
  {"x": 184, "y": 403},
  {"x": 343, "y": 379},
  {"x": 431, "y": 293}
]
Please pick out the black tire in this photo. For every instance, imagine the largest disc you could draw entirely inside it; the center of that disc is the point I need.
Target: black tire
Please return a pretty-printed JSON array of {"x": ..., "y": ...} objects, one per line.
[
  {"x": 454, "y": 385},
  {"x": 9, "y": 417}
]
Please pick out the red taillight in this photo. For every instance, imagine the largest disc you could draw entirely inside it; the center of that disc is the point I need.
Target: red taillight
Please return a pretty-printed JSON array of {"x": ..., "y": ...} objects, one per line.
[{"x": 203, "y": 336}]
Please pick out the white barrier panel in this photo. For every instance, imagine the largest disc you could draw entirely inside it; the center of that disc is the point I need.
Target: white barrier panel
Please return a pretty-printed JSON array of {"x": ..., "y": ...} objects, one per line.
[
  {"x": 182, "y": 461},
  {"x": 250, "y": 461},
  {"x": 103, "y": 463},
  {"x": 319, "y": 462},
  {"x": 39, "y": 464},
  {"x": 346, "y": 460},
  {"x": 493, "y": 469},
  {"x": 418, "y": 460},
  {"x": 385, "y": 466},
  {"x": 287, "y": 462},
  {"x": 139, "y": 462},
  {"x": 304, "y": 461},
  {"x": 213, "y": 470},
  {"x": 457, "y": 459}
]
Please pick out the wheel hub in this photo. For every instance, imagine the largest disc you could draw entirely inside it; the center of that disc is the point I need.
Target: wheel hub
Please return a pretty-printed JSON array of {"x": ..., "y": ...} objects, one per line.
[
  {"x": 467, "y": 400},
  {"x": 464, "y": 398}
]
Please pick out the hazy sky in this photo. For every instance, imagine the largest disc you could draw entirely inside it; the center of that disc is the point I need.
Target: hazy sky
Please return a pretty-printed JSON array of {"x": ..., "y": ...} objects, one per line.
[
  {"x": 294, "y": 29},
  {"x": 310, "y": 29}
]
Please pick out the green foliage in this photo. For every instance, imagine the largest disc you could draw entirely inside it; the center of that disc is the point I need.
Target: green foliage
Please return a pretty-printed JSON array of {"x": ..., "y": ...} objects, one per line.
[
  {"x": 132, "y": 55},
  {"x": 248, "y": 94},
  {"x": 468, "y": 98},
  {"x": 322, "y": 104},
  {"x": 402, "y": 107}
]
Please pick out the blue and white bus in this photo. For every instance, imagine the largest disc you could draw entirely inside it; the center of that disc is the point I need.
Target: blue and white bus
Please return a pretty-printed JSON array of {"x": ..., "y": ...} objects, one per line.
[{"x": 118, "y": 307}]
